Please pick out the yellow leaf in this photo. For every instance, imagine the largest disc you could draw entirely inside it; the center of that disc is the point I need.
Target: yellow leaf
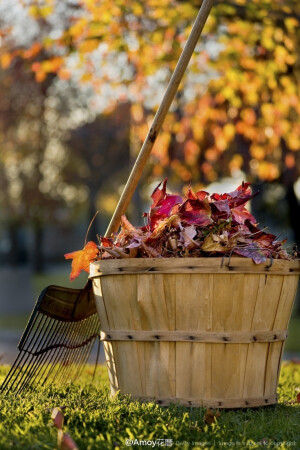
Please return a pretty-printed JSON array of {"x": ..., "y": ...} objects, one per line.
[
  {"x": 257, "y": 152},
  {"x": 5, "y": 59},
  {"x": 45, "y": 11},
  {"x": 52, "y": 65},
  {"x": 88, "y": 45},
  {"x": 86, "y": 77},
  {"x": 34, "y": 11},
  {"x": 229, "y": 131},
  {"x": 212, "y": 243}
]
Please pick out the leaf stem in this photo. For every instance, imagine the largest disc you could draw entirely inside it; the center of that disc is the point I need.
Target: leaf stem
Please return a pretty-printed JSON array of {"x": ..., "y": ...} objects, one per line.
[{"x": 89, "y": 227}]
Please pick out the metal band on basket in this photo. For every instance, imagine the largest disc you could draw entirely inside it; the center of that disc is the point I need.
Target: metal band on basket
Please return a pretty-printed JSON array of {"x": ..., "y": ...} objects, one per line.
[{"x": 189, "y": 336}]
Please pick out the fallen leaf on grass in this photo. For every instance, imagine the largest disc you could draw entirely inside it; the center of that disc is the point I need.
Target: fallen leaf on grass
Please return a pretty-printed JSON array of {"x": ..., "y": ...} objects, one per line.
[
  {"x": 65, "y": 442},
  {"x": 295, "y": 360},
  {"x": 58, "y": 418},
  {"x": 210, "y": 417}
]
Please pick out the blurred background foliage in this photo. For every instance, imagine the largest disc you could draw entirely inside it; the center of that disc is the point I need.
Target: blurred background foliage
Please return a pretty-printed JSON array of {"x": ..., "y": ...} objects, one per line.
[{"x": 80, "y": 82}]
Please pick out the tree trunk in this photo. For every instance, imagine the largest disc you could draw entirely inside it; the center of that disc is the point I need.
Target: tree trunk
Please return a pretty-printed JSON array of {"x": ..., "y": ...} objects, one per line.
[
  {"x": 294, "y": 213},
  {"x": 294, "y": 217},
  {"x": 13, "y": 233},
  {"x": 37, "y": 251},
  {"x": 136, "y": 209}
]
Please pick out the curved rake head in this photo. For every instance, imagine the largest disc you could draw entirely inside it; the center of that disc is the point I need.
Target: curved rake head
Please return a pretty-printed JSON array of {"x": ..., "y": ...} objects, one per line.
[{"x": 57, "y": 340}]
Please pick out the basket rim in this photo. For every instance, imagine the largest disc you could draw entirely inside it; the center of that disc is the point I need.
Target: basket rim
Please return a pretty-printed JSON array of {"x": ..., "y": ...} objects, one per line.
[{"x": 193, "y": 265}]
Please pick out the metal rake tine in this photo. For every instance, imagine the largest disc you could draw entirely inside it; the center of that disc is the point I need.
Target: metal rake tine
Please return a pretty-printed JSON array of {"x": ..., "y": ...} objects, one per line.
[
  {"x": 27, "y": 354},
  {"x": 97, "y": 358},
  {"x": 11, "y": 372},
  {"x": 53, "y": 370},
  {"x": 59, "y": 329},
  {"x": 57, "y": 338},
  {"x": 84, "y": 359},
  {"x": 92, "y": 333},
  {"x": 85, "y": 331},
  {"x": 84, "y": 353},
  {"x": 35, "y": 358},
  {"x": 29, "y": 328},
  {"x": 51, "y": 353},
  {"x": 40, "y": 355},
  {"x": 82, "y": 347},
  {"x": 73, "y": 338},
  {"x": 95, "y": 329},
  {"x": 72, "y": 353},
  {"x": 45, "y": 376},
  {"x": 32, "y": 320}
]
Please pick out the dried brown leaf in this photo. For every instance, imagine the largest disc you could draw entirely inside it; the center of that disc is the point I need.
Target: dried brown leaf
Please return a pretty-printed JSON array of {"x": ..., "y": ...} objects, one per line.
[
  {"x": 211, "y": 416},
  {"x": 65, "y": 442},
  {"x": 58, "y": 418}
]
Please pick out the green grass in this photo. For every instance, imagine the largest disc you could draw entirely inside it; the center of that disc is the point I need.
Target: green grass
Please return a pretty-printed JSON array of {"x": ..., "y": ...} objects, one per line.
[
  {"x": 96, "y": 421},
  {"x": 40, "y": 281},
  {"x": 293, "y": 341}
]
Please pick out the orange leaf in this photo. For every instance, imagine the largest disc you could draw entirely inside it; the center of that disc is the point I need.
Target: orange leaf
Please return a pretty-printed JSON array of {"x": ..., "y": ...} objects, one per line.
[
  {"x": 64, "y": 74},
  {"x": 5, "y": 59},
  {"x": 36, "y": 66},
  {"x": 82, "y": 259},
  {"x": 32, "y": 51}
]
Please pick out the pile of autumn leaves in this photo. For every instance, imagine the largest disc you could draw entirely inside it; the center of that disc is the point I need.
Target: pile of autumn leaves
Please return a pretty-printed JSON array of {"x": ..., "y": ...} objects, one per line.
[{"x": 198, "y": 225}]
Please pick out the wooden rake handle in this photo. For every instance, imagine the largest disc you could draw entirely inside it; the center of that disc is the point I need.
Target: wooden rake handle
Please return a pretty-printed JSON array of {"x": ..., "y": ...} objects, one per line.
[{"x": 160, "y": 115}]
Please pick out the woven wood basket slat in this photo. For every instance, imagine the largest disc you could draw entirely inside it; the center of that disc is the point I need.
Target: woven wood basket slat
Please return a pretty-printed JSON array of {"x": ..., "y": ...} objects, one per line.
[{"x": 195, "y": 295}]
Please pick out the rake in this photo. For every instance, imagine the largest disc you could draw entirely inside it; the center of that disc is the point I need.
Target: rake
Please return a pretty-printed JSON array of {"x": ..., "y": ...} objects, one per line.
[{"x": 64, "y": 324}]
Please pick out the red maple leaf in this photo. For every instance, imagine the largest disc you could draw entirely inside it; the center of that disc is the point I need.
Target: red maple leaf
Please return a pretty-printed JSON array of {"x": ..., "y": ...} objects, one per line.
[
  {"x": 240, "y": 214},
  {"x": 195, "y": 212},
  {"x": 194, "y": 225},
  {"x": 159, "y": 194},
  {"x": 200, "y": 195},
  {"x": 241, "y": 195},
  {"x": 82, "y": 259},
  {"x": 220, "y": 209},
  {"x": 162, "y": 206}
]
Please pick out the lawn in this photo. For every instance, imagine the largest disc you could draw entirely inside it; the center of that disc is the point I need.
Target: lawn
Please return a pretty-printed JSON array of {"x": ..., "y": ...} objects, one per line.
[{"x": 96, "y": 421}]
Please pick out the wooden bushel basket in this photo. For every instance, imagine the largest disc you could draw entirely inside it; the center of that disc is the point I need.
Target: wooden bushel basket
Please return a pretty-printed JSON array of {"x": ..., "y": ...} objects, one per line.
[{"x": 192, "y": 331}]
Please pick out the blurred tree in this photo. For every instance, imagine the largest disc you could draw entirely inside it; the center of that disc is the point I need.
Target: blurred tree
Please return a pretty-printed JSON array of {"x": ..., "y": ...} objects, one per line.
[
  {"x": 32, "y": 190},
  {"x": 238, "y": 108},
  {"x": 100, "y": 156}
]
